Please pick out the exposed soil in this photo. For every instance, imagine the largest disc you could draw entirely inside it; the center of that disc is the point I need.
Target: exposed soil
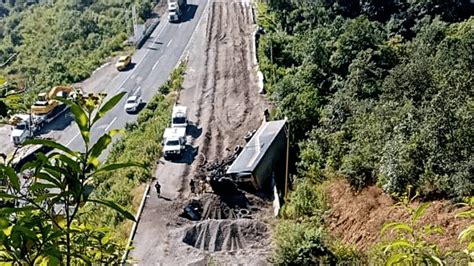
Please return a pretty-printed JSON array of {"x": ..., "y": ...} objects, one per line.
[
  {"x": 357, "y": 218},
  {"x": 215, "y": 235},
  {"x": 229, "y": 104}
]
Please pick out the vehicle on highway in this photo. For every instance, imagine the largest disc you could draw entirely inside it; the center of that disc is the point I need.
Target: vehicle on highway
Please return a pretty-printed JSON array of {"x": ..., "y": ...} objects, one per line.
[
  {"x": 179, "y": 116},
  {"x": 43, "y": 111},
  {"x": 174, "y": 143},
  {"x": 123, "y": 62},
  {"x": 176, "y": 9},
  {"x": 133, "y": 103},
  {"x": 21, "y": 130}
]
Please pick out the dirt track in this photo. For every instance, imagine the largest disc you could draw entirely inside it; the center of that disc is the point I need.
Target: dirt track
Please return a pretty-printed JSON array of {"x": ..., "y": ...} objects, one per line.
[
  {"x": 229, "y": 104},
  {"x": 221, "y": 92}
]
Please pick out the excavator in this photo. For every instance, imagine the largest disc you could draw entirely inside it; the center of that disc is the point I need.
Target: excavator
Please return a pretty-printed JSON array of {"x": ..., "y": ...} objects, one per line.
[
  {"x": 46, "y": 102},
  {"x": 43, "y": 111}
]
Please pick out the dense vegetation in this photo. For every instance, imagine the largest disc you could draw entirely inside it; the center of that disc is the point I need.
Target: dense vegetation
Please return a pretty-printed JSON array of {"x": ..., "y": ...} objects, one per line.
[
  {"x": 61, "y": 43},
  {"x": 377, "y": 92},
  {"x": 385, "y": 91}
]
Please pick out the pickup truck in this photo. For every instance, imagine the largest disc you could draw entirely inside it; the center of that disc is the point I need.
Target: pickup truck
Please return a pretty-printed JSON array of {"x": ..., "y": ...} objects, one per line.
[{"x": 174, "y": 143}]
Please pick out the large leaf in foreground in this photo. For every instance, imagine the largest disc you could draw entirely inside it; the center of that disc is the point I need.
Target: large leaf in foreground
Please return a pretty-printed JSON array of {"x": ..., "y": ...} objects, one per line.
[{"x": 108, "y": 106}]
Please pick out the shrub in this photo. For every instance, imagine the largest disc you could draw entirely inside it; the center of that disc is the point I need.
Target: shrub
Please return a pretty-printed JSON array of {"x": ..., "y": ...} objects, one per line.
[
  {"x": 300, "y": 244},
  {"x": 307, "y": 200}
]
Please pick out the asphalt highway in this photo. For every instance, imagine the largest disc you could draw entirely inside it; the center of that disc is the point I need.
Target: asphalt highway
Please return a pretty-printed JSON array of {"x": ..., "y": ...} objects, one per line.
[{"x": 152, "y": 65}]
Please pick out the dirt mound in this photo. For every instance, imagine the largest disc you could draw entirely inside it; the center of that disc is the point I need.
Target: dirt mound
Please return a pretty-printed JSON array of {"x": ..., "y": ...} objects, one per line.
[
  {"x": 357, "y": 219},
  {"x": 226, "y": 235}
]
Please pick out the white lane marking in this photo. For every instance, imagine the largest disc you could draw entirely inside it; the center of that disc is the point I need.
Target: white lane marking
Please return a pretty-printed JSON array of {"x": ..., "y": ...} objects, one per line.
[
  {"x": 192, "y": 35},
  {"x": 138, "y": 89},
  {"x": 110, "y": 124},
  {"x": 154, "y": 66},
  {"x": 119, "y": 89},
  {"x": 187, "y": 10},
  {"x": 179, "y": 26},
  {"x": 73, "y": 138},
  {"x": 169, "y": 43}
]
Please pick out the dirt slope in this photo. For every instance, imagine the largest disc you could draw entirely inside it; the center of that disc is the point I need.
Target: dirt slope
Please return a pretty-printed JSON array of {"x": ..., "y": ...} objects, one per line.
[{"x": 357, "y": 219}]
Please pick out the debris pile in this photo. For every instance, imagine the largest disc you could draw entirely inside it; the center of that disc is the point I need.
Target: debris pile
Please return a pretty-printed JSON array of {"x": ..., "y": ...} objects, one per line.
[
  {"x": 227, "y": 235},
  {"x": 211, "y": 206}
]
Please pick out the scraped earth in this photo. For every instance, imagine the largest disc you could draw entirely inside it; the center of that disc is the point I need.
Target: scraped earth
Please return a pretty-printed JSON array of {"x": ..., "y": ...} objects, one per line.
[
  {"x": 221, "y": 92},
  {"x": 357, "y": 218}
]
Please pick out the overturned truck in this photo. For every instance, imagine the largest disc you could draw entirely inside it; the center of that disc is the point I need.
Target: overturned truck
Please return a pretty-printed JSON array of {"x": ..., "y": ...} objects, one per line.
[{"x": 262, "y": 158}]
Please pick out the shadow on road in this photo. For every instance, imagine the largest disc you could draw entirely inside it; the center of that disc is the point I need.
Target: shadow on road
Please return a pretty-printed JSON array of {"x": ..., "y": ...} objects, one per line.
[
  {"x": 129, "y": 67},
  {"x": 189, "y": 14},
  {"x": 189, "y": 155},
  {"x": 193, "y": 130},
  {"x": 59, "y": 124}
]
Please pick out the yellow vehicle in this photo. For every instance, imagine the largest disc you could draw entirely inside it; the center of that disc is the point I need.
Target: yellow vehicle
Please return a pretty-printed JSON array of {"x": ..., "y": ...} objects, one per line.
[
  {"x": 123, "y": 62},
  {"x": 46, "y": 101}
]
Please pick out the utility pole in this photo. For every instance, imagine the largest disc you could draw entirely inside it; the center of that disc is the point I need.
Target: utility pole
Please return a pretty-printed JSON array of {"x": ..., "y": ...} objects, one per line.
[
  {"x": 134, "y": 20},
  {"x": 287, "y": 133}
]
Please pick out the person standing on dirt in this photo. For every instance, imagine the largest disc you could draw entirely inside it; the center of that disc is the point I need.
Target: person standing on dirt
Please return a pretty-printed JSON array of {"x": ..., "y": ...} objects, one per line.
[
  {"x": 158, "y": 189},
  {"x": 192, "y": 185}
]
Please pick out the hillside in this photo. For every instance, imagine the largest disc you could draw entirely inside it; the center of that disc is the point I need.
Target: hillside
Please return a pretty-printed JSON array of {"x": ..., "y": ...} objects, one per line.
[
  {"x": 61, "y": 43},
  {"x": 378, "y": 94}
]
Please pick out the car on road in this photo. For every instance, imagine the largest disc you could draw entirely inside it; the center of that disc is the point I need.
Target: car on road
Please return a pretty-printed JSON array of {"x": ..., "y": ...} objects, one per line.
[
  {"x": 123, "y": 62},
  {"x": 133, "y": 103}
]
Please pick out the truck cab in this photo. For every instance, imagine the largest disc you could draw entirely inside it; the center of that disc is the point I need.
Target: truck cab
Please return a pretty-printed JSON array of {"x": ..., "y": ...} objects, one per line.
[
  {"x": 21, "y": 129},
  {"x": 174, "y": 142},
  {"x": 175, "y": 9},
  {"x": 179, "y": 117},
  {"x": 20, "y": 133}
]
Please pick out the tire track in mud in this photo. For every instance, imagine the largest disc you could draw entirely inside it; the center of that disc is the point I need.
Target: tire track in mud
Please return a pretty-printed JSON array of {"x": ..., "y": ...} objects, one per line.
[{"x": 228, "y": 105}]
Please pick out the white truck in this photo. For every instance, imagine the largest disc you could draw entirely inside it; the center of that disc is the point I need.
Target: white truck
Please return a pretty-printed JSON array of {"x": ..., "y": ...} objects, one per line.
[
  {"x": 44, "y": 110},
  {"x": 22, "y": 129},
  {"x": 26, "y": 126},
  {"x": 174, "y": 142},
  {"x": 179, "y": 117},
  {"x": 176, "y": 9}
]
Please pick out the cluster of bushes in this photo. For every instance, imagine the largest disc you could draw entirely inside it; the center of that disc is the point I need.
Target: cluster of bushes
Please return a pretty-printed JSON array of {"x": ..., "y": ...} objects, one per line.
[
  {"x": 378, "y": 94},
  {"x": 141, "y": 143},
  {"x": 62, "y": 42}
]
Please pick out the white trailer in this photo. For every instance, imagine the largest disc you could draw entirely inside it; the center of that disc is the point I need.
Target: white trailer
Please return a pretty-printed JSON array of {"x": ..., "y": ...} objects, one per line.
[{"x": 174, "y": 142}]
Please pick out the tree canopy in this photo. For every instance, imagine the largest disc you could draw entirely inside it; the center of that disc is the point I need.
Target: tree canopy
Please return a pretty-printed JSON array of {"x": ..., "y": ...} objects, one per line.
[{"x": 380, "y": 93}]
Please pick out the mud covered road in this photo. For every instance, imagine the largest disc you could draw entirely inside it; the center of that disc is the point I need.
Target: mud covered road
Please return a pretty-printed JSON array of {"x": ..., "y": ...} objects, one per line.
[{"x": 221, "y": 92}]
